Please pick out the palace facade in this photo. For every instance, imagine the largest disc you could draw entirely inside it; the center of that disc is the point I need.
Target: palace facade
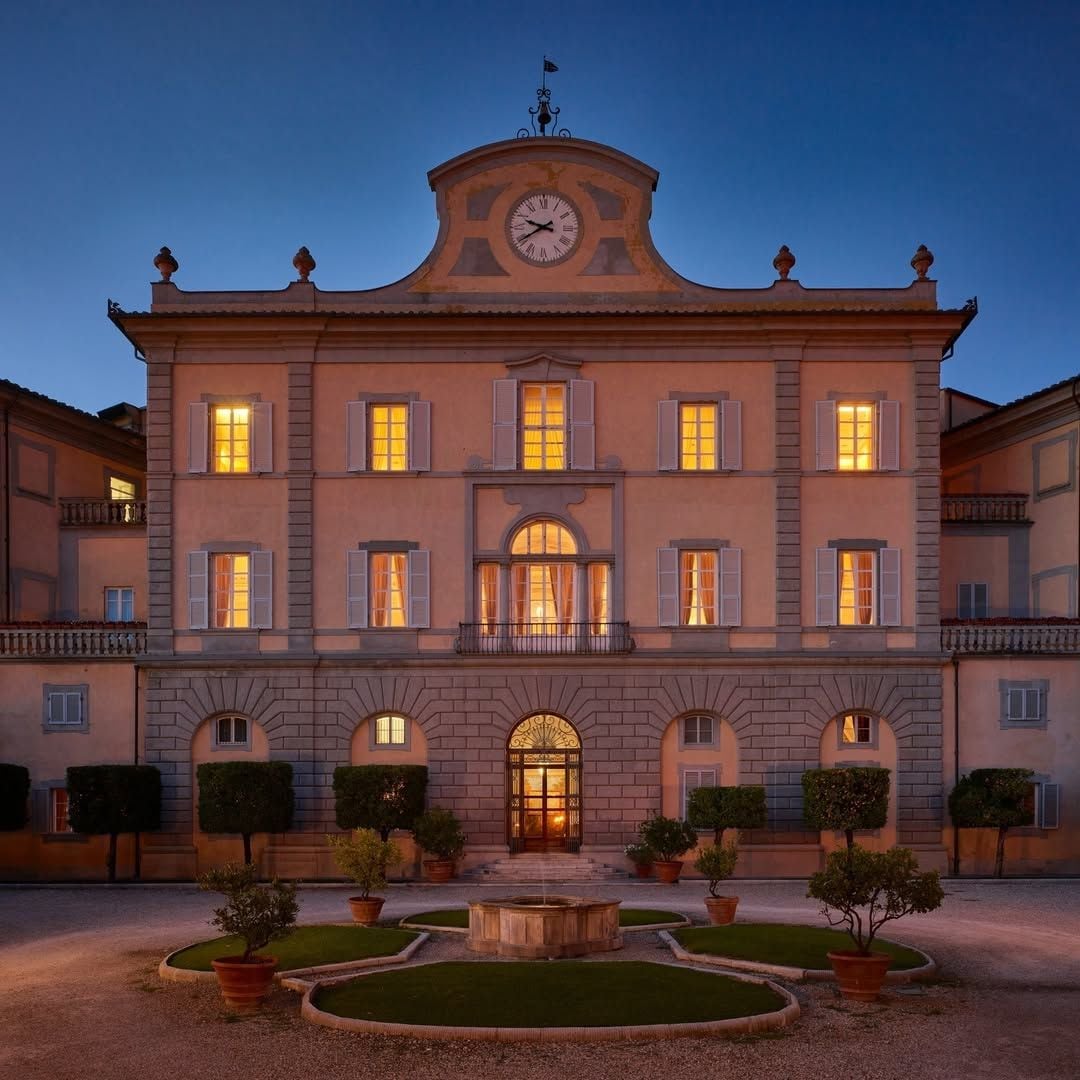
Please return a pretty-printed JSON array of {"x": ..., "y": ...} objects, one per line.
[{"x": 574, "y": 532}]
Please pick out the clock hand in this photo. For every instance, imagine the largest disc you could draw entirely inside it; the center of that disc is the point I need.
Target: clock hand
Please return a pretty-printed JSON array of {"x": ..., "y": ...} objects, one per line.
[{"x": 539, "y": 226}]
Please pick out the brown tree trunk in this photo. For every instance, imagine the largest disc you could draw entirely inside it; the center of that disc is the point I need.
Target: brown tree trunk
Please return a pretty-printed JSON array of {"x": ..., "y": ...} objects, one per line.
[
  {"x": 999, "y": 859},
  {"x": 247, "y": 849},
  {"x": 110, "y": 859},
  {"x": 138, "y": 856}
]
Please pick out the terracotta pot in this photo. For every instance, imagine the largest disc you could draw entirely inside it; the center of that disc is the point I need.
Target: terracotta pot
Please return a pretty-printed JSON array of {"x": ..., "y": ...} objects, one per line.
[
  {"x": 721, "y": 909},
  {"x": 668, "y": 872},
  {"x": 643, "y": 869},
  {"x": 245, "y": 983},
  {"x": 366, "y": 911},
  {"x": 860, "y": 977},
  {"x": 439, "y": 870}
]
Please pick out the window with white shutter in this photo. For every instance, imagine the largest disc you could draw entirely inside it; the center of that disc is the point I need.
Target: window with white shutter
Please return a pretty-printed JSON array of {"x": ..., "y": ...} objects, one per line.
[
  {"x": 698, "y": 436},
  {"x": 857, "y": 436},
  {"x": 858, "y": 588},
  {"x": 388, "y": 590},
  {"x": 972, "y": 600},
  {"x": 230, "y": 590}
]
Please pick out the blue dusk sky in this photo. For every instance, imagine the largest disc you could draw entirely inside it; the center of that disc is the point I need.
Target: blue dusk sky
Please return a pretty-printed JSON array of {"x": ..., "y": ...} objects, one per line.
[{"x": 236, "y": 131}]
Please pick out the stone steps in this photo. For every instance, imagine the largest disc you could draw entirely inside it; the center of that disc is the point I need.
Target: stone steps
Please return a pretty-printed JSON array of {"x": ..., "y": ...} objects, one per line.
[{"x": 529, "y": 869}]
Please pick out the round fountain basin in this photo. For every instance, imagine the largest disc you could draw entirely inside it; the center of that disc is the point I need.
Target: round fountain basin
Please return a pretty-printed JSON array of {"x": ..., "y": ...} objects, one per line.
[{"x": 534, "y": 927}]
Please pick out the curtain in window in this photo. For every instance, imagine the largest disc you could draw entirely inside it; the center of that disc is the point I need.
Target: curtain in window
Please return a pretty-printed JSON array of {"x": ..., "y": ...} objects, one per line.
[
  {"x": 489, "y": 597},
  {"x": 389, "y": 575},
  {"x": 856, "y": 588},
  {"x": 598, "y": 597},
  {"x": 699, "y": 588}
]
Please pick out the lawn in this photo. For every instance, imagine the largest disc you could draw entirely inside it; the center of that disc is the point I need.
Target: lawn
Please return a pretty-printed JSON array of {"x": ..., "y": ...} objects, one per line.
[
  {"x": 306, "y": 946},
  {"x": 779, "y": 943},
  {"x": 565, "y": 993},
  {"x": 459, "y": 917}
]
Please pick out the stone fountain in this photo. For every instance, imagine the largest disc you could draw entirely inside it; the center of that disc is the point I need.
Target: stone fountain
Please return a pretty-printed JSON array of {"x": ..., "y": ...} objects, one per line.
[{"x": 544, "y": 927}]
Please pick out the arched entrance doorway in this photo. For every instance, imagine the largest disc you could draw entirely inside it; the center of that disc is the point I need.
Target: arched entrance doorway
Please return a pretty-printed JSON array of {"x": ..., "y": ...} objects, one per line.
[{"x": 543, "y": 783}]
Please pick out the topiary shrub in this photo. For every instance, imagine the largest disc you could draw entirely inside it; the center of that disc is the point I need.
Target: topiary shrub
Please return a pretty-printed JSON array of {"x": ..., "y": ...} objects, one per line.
[
  {"x": 717, "y": 863},
  {"x": 245, "y": 797},
  {"x": 993, "y": 799},
  {"x": 363, "y": 856},
  {"x": 107, "y": 800},
  {"x": 14, "y": 791},
  {"x": 846, "y": 800},
  {"x": 720, "y": 808},
  {"x": 379, "y": 797},
  {"x": 668, "y": 837},
  {"x": 255, "y": 913},
  {"x": 867, "y": 889}
]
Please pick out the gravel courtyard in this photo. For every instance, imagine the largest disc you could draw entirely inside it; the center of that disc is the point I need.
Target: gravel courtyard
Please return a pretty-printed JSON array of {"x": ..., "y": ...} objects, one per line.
[{"x": 79, "y": 996}]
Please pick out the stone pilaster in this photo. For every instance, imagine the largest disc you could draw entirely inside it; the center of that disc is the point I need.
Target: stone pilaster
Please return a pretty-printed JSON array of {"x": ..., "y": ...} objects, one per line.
[
  {"x": 300, "y": 481},
  {"x": 927, "y": 468},
  {"x": 159, "y": 504},
  {"x": 788, "y": 508}
]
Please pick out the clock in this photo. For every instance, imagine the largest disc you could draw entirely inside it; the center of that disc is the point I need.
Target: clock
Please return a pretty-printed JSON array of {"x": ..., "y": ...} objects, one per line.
[{"x": 543, "y": 228}]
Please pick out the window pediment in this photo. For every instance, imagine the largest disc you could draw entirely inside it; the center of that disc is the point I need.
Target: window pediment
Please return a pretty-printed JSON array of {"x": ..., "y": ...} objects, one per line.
[{"x": 543, "y": 367}]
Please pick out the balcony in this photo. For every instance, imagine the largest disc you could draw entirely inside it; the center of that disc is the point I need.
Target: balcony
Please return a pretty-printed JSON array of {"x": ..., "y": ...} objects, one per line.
[
  {"x": 84, "y": 512},
  {"x": 544, "y": 639},
  {"x": 1007, "y": 507},
  {"x": 1034, "y": 637},
  {"x": 63, "y": 641}
]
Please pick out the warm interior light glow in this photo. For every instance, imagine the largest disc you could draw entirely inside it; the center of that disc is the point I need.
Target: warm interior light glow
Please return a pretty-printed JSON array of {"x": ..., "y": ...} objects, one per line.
[
  {"x": 232, "y": 438},
  {"x": 389, "y": 438},
  {"x": 854, "y": 437},
  {"x": 697, "y": 436},
  {"x": 543, "y": 426}
]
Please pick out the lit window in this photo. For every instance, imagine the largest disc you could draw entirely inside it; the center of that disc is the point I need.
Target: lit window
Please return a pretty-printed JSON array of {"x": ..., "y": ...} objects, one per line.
[
  {"x": 119, "y": 604},
  {"x": 543, "y": 538},
  {"x": 232, "y": 590},
  {"x": 389, "y": 438},
  {"x": 856, "y": 728},
  {"x": 856, "y": 587},
  {"x": 231, "y": 731},
  {"x": 389, "y": 587},
  {"x": 489, "y": 598},
  {"x": 698, "y": 731},
  {"x": 697, "y": 588},
  {"x": 972, "y": 600},
  {"x": 121, "y": 490},
  {"x": 58, "y": 811},
  {"x": 697, "y": 436},
  {"x": 599, "y": 593},
  {"x": 855, "y": 437},
  {"x": 390, "y": 730},
  {"x": 543, "y": 426},
  {"x": 231, "y": 438}
]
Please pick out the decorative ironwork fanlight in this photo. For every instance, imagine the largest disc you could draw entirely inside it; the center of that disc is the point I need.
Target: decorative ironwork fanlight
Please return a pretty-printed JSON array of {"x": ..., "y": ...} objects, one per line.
[{"x": 544, "y": 732}]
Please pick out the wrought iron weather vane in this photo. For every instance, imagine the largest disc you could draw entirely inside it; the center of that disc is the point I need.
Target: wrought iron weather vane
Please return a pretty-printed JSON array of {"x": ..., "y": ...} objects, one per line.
[{"x": 544, "y": 115}]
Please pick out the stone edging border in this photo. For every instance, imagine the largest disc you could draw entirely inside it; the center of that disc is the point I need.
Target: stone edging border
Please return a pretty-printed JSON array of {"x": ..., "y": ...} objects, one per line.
[
  {"x": 405, "y": 924},
  {"x": 168, "y": 973},
  {"x": 793, "y": 973},
  {"x": 738, "y": 1025}
]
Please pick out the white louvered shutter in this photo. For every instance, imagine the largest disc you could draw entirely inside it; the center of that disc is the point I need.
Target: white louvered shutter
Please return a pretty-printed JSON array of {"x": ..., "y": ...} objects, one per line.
[
  {"x": 667, "y": 435},
  {"x": 262, "y": 437},
  {"x": 667, "y": 586},
  {"x": 888, "y": 413},
  {"x": 730, "y": 586},
  {"x": 1050, "y": 815},
  {"x": 825, "y": 436},
  {"x": 198, "y": 572},
  {"x": 420, "y": 436},
  {"x": 731, "y": 435},
  {"x": 262, "y": 589},
  {"x": 825, "y": 587},
  {"x": 198, "y": 436},
  {"x": 582, "y": 424},
  {"x": 889, "y": 566},
  {"x": 420, "y": 589},
  {"x": 356, "y": 591},
  {"x": 504, "y": 424},
  {"x": 356, "y": 436}
]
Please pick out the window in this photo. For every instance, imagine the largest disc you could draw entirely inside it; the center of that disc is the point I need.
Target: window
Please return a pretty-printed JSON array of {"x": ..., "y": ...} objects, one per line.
[
  {"x": 65, "y": 707},
  {"x": 388, "y": 436},
  {"x": 1023, "y": 704},
  {"x": 697, "y": 731},
  {"x": 1045, "y": 804},
  {"x": 230, "y": 590},
  {"x": 231, "y": 731},
  {"x": 557, "y": 425},
  {"x": 858, "y": 586},
  {"x": 233, "y": 437},
  {"x": 699, "y": 586},
  {"x": 121, "y": 490},
  {"x": 119, "y": 604},
  {"x": 972, "y": 600},
  {"x": 857, "y": 729},
  {"x": 699, "y": 435},
  {"x": 695, "y": 778},
  {"x": 391, "y": 731},
  {"x": 857, "y": 436},
  {"x": 388, "y": 589},
  {"x": 58, "y": 811}
]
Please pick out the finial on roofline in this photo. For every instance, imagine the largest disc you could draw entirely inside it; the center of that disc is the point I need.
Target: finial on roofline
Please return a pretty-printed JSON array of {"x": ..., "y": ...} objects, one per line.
[
  {"x": 783, "y": 262},
  {"x": 304, "y": 263},
  {"x": 166, "y": 264},
  {"x": 921, "y": 261},
  {"x": 544, "y": 114}
]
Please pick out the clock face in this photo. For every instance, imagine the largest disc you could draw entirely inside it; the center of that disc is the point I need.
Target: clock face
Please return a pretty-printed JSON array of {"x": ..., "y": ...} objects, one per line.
[{"x": 543, "y": 228}]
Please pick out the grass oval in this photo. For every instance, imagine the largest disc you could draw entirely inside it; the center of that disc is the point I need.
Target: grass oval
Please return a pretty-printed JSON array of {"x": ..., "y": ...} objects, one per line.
[
  {"x": 458, "y": 918},
  {"x": 306, "y": 946},
  {"x": 786, "y": 944},
  {"x": 565, "y": 993}
]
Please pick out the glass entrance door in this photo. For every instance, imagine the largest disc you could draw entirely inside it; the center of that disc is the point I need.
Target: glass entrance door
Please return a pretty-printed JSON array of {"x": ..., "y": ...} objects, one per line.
[
  {"x": 544, "y": 790},
  {"x": 543, "y": 786}
]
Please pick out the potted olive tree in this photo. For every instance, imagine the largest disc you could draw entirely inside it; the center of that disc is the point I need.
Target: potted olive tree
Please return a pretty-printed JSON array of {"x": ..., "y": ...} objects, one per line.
[
  {"x": 861, "y": 891},
  {"x": 669, "y": 838},
  {"x": 438, "y": 832},
  {"x": 364, "y": 856},
  {"x": 720, "y": 809},
  {"x": 257, "y": 915}
]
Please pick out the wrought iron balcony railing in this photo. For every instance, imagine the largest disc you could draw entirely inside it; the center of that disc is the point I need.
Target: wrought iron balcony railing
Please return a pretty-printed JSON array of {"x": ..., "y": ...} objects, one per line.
[
  {"x": 1018, "y": 637},
  {"x": 543, "y": 639},
  {"x": 90, "y": 642},
  {"x": 102, "y": 512},
  {"x": 1000, "y": 507}
]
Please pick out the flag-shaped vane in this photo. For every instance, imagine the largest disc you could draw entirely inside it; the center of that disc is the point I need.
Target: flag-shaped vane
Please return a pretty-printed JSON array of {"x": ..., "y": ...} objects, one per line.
[{"x": 549, "y": 65}]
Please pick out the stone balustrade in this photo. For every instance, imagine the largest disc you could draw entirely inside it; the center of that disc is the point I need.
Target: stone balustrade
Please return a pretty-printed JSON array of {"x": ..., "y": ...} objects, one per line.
[
  {"x": 84, "y": 512},
  {"x": 1024, "y": 638},
  {"x": 79, "y": 642},
  {"x": 1008, "y": 506}
]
